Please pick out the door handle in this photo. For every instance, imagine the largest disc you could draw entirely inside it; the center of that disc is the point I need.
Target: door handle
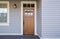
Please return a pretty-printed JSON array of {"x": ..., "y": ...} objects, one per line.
[{"x": 23, "y": 22}]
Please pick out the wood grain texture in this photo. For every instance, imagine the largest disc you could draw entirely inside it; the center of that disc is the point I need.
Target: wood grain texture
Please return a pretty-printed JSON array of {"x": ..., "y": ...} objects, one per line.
[{"x": 28, "y": 27}]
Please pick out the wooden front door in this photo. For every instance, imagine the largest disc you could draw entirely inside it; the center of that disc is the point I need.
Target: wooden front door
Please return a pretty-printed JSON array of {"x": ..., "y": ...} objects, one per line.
[{"x": 28, "y": 19}]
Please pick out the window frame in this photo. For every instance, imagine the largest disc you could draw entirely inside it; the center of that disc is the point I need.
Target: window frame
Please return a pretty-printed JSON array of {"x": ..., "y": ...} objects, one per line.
[{"x": 7, "y": 2}]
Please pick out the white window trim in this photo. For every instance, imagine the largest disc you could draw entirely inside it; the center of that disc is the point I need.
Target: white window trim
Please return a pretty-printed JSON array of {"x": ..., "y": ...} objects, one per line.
[{"x": 7, "y": 2}]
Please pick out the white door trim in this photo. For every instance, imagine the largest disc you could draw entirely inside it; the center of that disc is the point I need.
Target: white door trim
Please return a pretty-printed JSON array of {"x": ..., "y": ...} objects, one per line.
[{"x": 35, "y": 23}]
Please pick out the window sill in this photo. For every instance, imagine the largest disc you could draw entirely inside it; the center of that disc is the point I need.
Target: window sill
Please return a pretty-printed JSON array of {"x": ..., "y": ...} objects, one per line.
[{"x": 4, "y": 24}]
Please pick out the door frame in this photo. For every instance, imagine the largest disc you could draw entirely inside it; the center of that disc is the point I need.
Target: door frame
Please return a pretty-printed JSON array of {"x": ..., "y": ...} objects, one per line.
[{"x": 35, "y": 16}]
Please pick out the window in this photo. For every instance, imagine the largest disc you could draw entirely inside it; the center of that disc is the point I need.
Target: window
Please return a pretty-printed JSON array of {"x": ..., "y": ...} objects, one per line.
[
  {"x": 4, "y": 13},
  {"x": 28, "y": 5}
]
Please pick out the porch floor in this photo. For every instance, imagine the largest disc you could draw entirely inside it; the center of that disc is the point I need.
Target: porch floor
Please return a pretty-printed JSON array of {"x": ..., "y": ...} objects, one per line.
[{"x": 18, "y": 37}]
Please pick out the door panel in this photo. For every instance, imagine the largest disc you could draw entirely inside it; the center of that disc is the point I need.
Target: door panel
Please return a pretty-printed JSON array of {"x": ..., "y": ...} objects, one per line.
[{"x": 28, "y": 21}]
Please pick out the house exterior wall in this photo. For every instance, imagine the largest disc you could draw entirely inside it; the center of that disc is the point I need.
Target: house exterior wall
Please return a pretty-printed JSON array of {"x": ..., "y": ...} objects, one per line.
[
  {"x": 14, "y": 18},
  {"x": 39, "y": 18},
  {"x": 48, "y": 18},
  {"x": 51, "y": 18}
]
